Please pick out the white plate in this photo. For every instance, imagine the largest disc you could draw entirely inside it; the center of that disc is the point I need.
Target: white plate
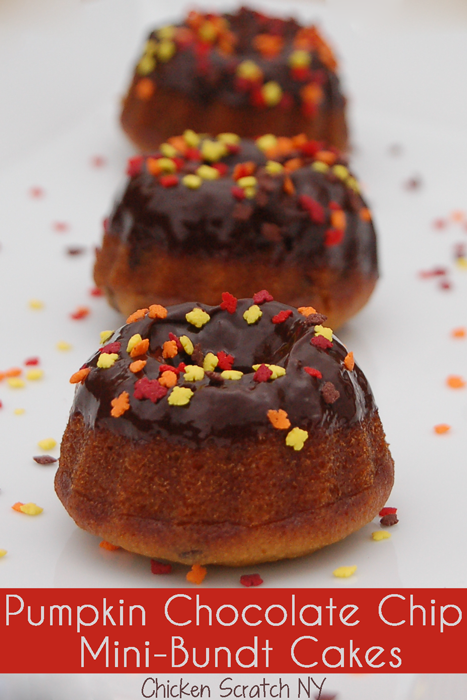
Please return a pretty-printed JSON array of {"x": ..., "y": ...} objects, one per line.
[{"x": 63, "y": 67}]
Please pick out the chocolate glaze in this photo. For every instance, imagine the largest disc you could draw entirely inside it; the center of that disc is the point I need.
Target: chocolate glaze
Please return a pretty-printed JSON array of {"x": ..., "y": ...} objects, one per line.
[
  {"x": 209, "y": 75},
  {"x": 229, "y": 410},
  {"x": 211, "y": 222}
]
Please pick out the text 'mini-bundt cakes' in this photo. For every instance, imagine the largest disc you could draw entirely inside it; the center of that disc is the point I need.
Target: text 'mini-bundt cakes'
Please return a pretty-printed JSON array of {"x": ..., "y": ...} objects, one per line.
[
  {"x": 205, "y": 214},
  {"x": 243, "y": 72},
  {"x": 230, "y": 434}
]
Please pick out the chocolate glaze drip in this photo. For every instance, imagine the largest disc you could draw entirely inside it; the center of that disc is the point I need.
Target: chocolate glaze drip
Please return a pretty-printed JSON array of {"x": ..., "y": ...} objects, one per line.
[
  {"x": 227, "y": 411},
  {"x": 210, "y": 76},
  {"x": 211, "y": 222}
]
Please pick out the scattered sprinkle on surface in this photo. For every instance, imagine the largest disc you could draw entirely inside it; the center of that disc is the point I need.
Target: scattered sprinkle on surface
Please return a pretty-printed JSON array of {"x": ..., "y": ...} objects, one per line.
[
  {"x": 379, "y": 535},
  {"x": 248, "y": 580},
  {"x": 344, "y": 571},
  {"x": 47, "y": 444},
  {"x": 197, "y": 574}
]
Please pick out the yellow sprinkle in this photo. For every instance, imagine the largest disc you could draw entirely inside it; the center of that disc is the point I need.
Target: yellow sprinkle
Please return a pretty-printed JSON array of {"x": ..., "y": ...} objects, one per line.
[
  {"x": 320, "y": 167},
  {"x": 193, "y": 182},
  {"x": 198, "y": 317},
  {"x": 30, "y": 509},
  {"x": 167, "y": 32},
  {"x": 266, "y": 142},
  {"x": 206, "y": 172},
  {"x": 275, "y": 369},
  {"x": 249, "y": 70},
  {"x": 151, "y": 47},
  {"x": 247, "y": 181},
  {"x": 273, "y": 167},
  {"x": 36, "y": 304},
  {"x": 107, "y": 360},
  {"x": 180, "y": 396},
  {"x": 380, "y": 535},
  {"x": 325, "y": 332},
  {"x": 250, "y": 192},
  {"x": 19, "y": 411},
  {"x": 193, "y": 373},
  {"x": 134, "y": 340},
  {"x": 462, "y": 263},
  {"x": 299, "y": 59},
  {"x": 34, "y": 374},
  {"x": 296, "y": 438},
  {"x": 168, "y": 150},
  {"x": 2, "y": 553},
  {"x": 272, "y": 93},
  {"x": 232, "y": 374},
  {"x": 353, "y": 184},
  {"x": 63, "y": 346},
  {"x": 146, "y": 65},
  {"x": 16, "y": 382},
  {"x": 167, "y": 165},
  {"x": 213, "y": 150},
  {"x": 47, "y": 444},
  {"x": 166, "y": 50},
  {"x": 228, "y": 138},
  {"x": 344, "y": 571},
  {"x": 252, "y": 314},
  {"x": 210, "y": 362},
  {"x": 340, "y": 171},
  {"x": 191, "y": 137},
  {"x": 105, "y": 335},
  {"x": 187, "y": 345}
]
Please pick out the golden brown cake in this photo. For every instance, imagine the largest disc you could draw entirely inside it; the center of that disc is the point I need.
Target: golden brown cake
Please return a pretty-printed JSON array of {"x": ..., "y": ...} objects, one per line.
[
  {"x": 244, "y": 72},
  {"x": 230, "y": 434},
  {"x": 202, "y": 215}
]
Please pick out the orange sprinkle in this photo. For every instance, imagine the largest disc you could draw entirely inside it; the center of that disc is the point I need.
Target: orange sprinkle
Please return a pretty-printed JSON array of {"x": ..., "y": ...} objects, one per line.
[
  {"x": 80, "y": 375},
  {"x": 279, "y": 419},
  {"x": 197, "y": 574},
  {"x": 458, "y": 215},
  {"x": 299, "y": 140},
  {"x": 455, "y": 382},
  {"x": 338, "y": 219},
  {"x": 349, "y": 362},
  {"x": 243, "y": 169},
  {"x": 293, "y": 164},
  {"x": 157, "y": 311},
  {"x": 17, "y": 506},
  {"x": 284, "y": 145},
  {"x": 137, "y": 315},
  {"x": 442, "y": 428},
  {"x": 2, "y": 376},
  {"x": 169, "y": 349},
  {"x": 13, "y": 372},
  {"x": 327, "y": 157},
  {"x": 179, "y": 143},
  {"x": 120, "y": 404},
  {"x": 289, "y": 187},
  {"x": 168, "y": 379},
  {"x": 110, "y": 547},
  {"x": 140, "y": 348},
  {"x": 144, "y": 89},
  {"x": 365, "y": 214},
  {"x": 137, "y": 366},
  {"x": 153, "y": 166},
  {"x": 306, "y": 310},
  {"x": 312, "y": 93},
  {"x": 269, "y": 45},
  {"x": 460, "y": 332}
]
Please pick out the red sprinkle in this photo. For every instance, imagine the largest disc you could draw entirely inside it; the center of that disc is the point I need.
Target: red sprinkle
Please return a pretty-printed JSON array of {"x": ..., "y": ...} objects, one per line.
[
  {"x": 222, "y": 168},
  {"x": 192, "y": 154},
  {"x": 311, "y": 148},
  {"x": 229, "y": 302},
  {"x": 238, "y": 193},
  {"x": 334, "y": 206},
  {"x": 313, "y": 372},
  {"x": 333, "y": 236},
  {"x": 60, "y": 226},
  {"x": 134, "y": 166},
  {"x": 31, "y": 361},
  {"x": 168, "y": 180},
  {"x": 111, "y": 347},
  {"x": 172, "y": 336},
  {"x": 36, "y": 192},
  {"x": 440, "y": 223},
  {"x": 158, "y": 568},
  {"x": 225, "y": 361},
  {"x": 282, "y": 316},
  {"x": 387, "y": 511},
  {"x": 314, "y": 208},
  {"x": 262, "y": 296},
  {"x": 96, "y": 292},
  {"x": 98, "y": 161},
  {"x": 321, "y": 342},
  {"x": 435, "y": 272},
  {"x": 169, "y": 368},
  {"x": 262, "y": 374},
  {"x": 81, "y": 312},
  {"x": 251, "y": 580},
  {"x": 149, "y": 389}
]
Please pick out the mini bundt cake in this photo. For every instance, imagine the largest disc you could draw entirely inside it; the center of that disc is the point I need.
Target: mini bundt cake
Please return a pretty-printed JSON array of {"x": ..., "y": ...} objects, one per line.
[
  {"x": 242, "y": 72},
  {"x": 206, "y": 214},
  {"x": 230, "y": 434}
]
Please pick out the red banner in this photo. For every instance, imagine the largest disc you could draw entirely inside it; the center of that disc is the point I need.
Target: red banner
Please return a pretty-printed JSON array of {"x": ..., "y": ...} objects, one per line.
[{"x": 163, "y": 631}]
